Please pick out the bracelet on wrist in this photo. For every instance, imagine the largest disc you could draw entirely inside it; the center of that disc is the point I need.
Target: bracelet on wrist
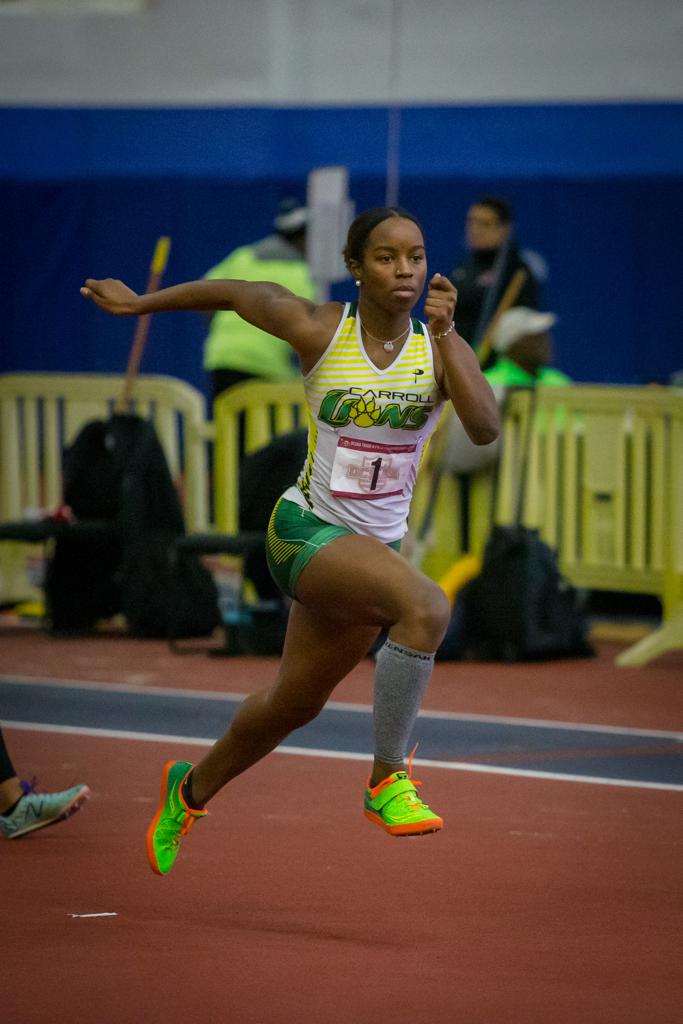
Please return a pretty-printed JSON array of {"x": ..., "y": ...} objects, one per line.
[{"x": 451, "y": 327}]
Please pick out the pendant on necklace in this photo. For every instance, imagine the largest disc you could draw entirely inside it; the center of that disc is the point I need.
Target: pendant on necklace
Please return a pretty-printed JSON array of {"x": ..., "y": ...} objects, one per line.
[{"x": 388, "y": 346}]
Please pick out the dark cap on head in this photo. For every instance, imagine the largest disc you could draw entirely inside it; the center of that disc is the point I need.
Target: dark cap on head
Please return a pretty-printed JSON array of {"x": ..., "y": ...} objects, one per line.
[{"x": 291, "y": 217}]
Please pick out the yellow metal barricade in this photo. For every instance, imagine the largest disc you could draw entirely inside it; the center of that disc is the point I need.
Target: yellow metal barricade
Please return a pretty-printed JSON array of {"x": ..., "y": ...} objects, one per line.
[
  {"x": 601, "y": 477},
  {"x": 40, "y": 414},
  {"x": 257, "y": 412},
  {"x": 461, "y": 500},
  {"x": 602, "y": 473},
  {"x": 456, "y": 501},
  {"x": 604, "y": 488}
]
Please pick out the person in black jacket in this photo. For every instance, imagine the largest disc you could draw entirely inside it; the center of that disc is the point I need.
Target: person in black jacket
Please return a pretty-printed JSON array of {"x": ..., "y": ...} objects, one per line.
[{"x": 494, "y": 257}]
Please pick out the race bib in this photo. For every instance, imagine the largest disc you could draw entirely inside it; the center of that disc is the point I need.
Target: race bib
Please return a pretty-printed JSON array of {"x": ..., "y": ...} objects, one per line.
[{"x": 368, "y": 470}]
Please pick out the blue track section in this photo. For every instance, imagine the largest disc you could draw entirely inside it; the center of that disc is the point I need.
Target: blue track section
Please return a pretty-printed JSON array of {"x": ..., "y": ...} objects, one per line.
[{"x": 628, "y": 756}]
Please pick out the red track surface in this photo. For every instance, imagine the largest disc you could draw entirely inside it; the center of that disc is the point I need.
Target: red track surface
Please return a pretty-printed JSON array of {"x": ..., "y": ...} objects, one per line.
[{"x": 540, "y": 901}]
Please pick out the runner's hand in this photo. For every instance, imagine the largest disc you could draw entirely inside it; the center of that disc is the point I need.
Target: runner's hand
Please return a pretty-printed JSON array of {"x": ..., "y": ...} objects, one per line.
[
  {"x": 440, "y": 304},
  {"x": 113, "y": 296}
]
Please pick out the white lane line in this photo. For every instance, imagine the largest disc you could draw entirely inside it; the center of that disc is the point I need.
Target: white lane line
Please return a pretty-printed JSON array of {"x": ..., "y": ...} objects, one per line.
[
  {"x": 454, "y": 716},
  {"x": 346, "y": 755}
]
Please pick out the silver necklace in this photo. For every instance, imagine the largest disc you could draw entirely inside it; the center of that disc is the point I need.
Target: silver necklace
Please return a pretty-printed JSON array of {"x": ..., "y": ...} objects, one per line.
[{"x": 388, "y": 346}]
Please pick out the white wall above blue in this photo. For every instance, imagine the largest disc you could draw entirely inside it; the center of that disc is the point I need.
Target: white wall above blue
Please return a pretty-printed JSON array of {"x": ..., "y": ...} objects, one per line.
[
  {"x": 73, "y": 7},
  {"x": 221, "y": 52}
]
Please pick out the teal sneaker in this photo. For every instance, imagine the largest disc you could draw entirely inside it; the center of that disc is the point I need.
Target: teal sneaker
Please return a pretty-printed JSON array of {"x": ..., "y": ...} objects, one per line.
[
  {"x": 172, "y": 820},
  {"x": 394, "y": 805},
  {"x": 38, "y": 810}
]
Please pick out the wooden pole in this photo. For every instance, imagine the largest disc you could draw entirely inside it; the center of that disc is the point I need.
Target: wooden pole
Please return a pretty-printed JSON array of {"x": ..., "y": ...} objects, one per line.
[{"x": 156, "y": 271}]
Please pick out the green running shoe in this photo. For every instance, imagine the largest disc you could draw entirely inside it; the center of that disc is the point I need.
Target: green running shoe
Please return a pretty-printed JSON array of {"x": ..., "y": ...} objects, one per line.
[
  {"x": 173, "y": 819},
  {"x": 394, "y": 805},
  {"x": 37, "y": 810}
]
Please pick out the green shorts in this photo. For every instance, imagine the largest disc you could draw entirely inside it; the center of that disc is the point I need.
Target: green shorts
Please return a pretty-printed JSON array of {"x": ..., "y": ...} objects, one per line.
[{"x": 294, "y": 535}]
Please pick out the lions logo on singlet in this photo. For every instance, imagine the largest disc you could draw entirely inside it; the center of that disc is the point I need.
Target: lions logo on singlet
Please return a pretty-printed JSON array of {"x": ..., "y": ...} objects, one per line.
[{"x": 396, "y": 409}]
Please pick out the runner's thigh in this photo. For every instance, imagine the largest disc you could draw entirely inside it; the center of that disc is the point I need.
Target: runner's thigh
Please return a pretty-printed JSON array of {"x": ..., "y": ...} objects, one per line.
[{"x": 360, "y": 579}]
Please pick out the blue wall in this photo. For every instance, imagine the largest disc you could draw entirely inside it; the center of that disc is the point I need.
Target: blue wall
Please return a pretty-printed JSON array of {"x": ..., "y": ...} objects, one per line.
[{"x": 85, "y": 192}]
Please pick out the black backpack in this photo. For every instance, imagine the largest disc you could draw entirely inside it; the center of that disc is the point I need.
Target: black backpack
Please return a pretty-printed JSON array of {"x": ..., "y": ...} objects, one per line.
[
  {"x": 520, "y": 607},
  {"x": 115, "y": 558}
]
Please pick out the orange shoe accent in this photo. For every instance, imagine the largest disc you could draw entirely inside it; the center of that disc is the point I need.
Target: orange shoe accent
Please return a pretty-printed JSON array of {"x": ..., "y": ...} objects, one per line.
[{"x": 424, "y": 828}]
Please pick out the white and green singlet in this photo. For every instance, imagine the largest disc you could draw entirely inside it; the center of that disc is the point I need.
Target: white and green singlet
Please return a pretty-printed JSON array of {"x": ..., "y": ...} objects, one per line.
[{"x": 367, "y": 431}]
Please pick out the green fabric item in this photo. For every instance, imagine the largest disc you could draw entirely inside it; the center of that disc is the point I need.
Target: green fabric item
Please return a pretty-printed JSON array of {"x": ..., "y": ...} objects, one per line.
[
  {"x": 232, "y": 343},
  {"x": 294, "y": 536},
  {"x": 506, "y": 374}
]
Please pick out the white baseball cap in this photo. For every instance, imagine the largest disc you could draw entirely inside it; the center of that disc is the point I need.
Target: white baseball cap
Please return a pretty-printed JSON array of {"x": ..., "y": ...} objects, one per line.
[{"x": 516, "y": 323}]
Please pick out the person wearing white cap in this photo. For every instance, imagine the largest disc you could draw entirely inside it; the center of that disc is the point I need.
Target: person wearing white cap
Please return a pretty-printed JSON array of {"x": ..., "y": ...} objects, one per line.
[
  {"x": 523, "y": 343},
  {"x": 234, "y": 350},
  {"x": 523, "y": 346}
]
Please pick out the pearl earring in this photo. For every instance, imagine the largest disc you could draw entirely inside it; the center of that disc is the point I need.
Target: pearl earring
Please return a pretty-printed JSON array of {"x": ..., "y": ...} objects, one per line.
[{"x": 358, "y": 284}]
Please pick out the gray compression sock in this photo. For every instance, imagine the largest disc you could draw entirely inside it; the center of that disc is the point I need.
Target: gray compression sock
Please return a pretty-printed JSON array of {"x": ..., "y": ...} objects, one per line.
[{"x": 401, "y": 678}]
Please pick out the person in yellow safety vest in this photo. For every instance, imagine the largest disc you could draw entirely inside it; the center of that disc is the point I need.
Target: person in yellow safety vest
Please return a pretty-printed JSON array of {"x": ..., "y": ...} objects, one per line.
[{"x": 235, "y": 350}]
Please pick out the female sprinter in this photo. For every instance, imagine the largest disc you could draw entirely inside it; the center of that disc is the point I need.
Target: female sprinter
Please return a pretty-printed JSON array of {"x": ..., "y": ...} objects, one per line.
[{"x": 375, "y": 380}]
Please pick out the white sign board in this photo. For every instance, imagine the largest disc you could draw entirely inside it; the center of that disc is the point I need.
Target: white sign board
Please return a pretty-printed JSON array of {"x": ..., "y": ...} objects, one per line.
[{"x": 330, "y": 211}]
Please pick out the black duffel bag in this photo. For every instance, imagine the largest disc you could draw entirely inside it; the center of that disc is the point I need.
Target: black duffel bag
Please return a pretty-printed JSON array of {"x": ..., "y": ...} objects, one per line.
[{"x": 520, "y": 607}]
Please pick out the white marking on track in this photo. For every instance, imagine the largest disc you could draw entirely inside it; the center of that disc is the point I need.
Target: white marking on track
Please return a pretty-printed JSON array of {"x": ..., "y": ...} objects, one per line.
[
  {"x": 347, "y": 755},
  {"x": 105, "y": 913}
]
